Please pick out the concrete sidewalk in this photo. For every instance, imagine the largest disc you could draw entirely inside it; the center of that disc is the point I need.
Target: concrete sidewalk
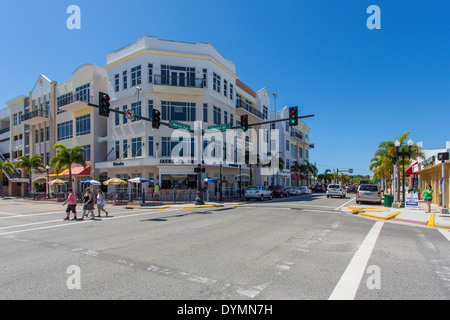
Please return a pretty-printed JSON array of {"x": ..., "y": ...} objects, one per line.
[{"x": 416, "y": 216}]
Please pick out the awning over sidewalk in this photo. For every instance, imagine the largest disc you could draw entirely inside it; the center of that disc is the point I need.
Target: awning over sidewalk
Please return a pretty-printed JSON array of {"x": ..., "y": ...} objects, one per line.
[
  {"x": 79, "y": 171},
  {"x": 409, "y": 170},
  {"x": 53, "y": 174}
]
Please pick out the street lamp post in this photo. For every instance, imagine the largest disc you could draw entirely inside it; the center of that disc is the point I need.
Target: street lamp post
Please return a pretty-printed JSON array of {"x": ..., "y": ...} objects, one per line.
[
  {"x": 403, "y": 154},
  {"x": 47, "y": 167}
]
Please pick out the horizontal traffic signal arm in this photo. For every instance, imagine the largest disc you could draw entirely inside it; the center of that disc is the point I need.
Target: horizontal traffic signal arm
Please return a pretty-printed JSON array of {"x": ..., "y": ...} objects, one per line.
[{"x": 271, "y": 121}]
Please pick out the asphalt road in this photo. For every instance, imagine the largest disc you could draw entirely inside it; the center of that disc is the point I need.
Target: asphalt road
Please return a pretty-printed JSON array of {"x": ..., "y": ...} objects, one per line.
[{"x": 295, "y": 248}]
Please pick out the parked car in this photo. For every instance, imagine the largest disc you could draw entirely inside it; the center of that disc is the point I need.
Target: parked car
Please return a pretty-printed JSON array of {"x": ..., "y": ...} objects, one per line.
[
  {"x": 352, "y": 188},
  {"x": 319, "y": 188},
  {"x": 306, "y": 190},
  {"x": 336, "y": 190},
  {"x": 257, "y": 192},
  {"x": 368, "y": 193},
  {"x": 294, "y": 191},
  {"x": 279, "y": 191}
]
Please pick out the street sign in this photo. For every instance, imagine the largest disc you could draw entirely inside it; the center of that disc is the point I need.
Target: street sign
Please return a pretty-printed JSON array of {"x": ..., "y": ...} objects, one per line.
[
  {"x": 179, "y": 125},
  {"x": 220, "y": 127},
  {"x": 129, "y": 114}
]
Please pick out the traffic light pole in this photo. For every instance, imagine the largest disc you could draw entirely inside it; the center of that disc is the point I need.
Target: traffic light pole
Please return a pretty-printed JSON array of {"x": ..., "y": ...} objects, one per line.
[
  {"x": 199, "y": 170},
  {"x": 271, "y": 121}
]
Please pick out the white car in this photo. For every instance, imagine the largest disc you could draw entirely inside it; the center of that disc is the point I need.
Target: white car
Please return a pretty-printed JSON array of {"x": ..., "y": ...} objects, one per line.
[
  {"x": 336, "y": 190},
  {"x": 306, "y": 190},
  {"x": 257, "y": 192}
]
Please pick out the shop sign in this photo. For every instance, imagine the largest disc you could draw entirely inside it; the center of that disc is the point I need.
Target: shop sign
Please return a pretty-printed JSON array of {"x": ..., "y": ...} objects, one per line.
[{"x": 412, "y": 200}]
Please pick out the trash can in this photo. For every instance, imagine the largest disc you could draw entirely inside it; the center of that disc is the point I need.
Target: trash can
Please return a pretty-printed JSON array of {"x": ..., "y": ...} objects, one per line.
[{"x": 388, "y": 200}]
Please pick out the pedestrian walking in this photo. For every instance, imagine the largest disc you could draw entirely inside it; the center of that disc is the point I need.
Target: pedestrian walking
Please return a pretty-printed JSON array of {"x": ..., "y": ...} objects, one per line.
[
  {"x": 156, "y": 192},
  {"x": 71, "y": 205},
  {"x": 428, "y": 197},
  {"x": 88, "y": 200},
  {"x": 101, "y": 201}
]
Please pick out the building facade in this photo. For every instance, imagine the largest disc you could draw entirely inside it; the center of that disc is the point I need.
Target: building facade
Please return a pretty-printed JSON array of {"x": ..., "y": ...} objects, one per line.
[{"x": 57, "y": 113}]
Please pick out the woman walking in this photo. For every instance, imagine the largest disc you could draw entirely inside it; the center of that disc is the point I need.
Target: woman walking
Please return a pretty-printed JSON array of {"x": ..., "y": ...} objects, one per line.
[
  {"x": 88, "y": 204},
  {"x": 72, "y": 206},
  {"x": 428, "y": 197},
  {"x": 101, "y": 202}
]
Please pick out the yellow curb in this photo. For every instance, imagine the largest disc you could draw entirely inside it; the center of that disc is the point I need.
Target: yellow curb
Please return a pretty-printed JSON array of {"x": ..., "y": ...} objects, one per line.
[
  {"x": 233, "y": 203},
  {"x": 365, "y": 208},
  {"x": 378, "y": 217},
  {"x": 431, "y": 221},
  {"x": 202, "y": 206},
  {"x": 153, "y": 208}
]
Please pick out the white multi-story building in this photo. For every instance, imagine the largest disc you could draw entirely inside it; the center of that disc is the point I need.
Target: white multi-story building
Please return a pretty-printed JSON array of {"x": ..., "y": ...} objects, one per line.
[{"x": 186, "y": 82}]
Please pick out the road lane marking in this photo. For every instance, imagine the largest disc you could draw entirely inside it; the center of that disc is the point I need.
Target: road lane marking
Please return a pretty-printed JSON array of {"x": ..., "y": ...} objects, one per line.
[
  {"x": 343, "y": 205},
  {"x": 73, "y": 223},
  {"x": 445, "y": 233},
  {"x": 348, "y": 284}
]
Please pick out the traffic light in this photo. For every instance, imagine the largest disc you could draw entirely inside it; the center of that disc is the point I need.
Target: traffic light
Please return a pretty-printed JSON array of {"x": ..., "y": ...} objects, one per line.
[
  {"x": 156, "y": 119},
  {"x": 293, "y": 116},
  {"x": 103, "y": 104},
  {"x": 244, "y": 122}
]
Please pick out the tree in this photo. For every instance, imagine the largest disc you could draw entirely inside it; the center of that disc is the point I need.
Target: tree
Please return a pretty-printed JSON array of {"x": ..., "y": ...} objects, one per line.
[
  {"x": 30, "y": 164},
  {"x": 295, "y": 168},
  {"x": 4, "y": 167},
  {"x": 65, "y": 158}
]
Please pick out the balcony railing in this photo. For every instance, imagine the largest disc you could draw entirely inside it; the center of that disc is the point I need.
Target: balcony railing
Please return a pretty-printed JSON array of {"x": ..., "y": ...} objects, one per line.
[
  {"x": 296, "y": 134},
  {"x": 250, "y": 109},
  {"x": 179, "y": 81},
  {"x": 35, "y": 114}
]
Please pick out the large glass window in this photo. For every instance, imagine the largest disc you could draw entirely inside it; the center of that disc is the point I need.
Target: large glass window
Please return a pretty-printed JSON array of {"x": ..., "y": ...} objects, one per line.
[
  {"x": 135, "y": 76},
  {"x": 136, "y": 147},
  {"x": 178, "y": 111},
  {"x": 217, "y": 113},
  {"x": 136, "y": 107},
  {"x": 64, "y": 130},
  {"x": 216, "y": 82},
  {"x": 177, "y": 76},
  {"x": 83, "y": 125},
  {"x": 63, "y": 100},
  {"x": 83, "y": 93}
]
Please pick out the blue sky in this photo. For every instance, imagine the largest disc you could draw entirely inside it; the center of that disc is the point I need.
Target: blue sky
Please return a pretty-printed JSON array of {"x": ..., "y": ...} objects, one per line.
[{"x": 364, "y": 86}]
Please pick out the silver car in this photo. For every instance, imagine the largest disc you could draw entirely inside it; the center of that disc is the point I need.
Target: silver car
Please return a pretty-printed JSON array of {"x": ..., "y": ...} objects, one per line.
[
  {"x": 257, "y": 192},
  {"x": 368, "y": 193},
  {"x": 336, "y": 190}
]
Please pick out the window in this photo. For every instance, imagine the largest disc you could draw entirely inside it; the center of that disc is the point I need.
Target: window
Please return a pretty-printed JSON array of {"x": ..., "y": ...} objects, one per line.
[
  {"x": 136, "y": 107},
  {"x": 238, "y": 101},
  {"x": 178, "y": 111},
  {"x": 125, "y": 148},
  {"x": 135, "y": 76},
  {"x": 225, "y": 117},
  {"x": 124, "y": 117},
  {"x": 47, "y": 133},
  {"x": 231, "y": 119},
  {"x": 225, "y": 87},
  {"x": 150, "y": 108},
  {"x": 168, "y": 143},
  {"x": 136, "y": 147},
  {"x": 217, "y": 112},
  {"x": 150, "y": 147},
  {"x": 205, "y": 75},
  {"x": 15, "y": 119},
  {"x": 63, "y": 100},
  {"x": 150, "y": 73},
  {"x": 231, "y": 91},
  {"x": 83, "y": 125},
  {"x": 205, "y": 112},
  {"x": 87, "y": 152},
  {"x": 177, "y": 76},
  {"x": 116, "y": 83},
  {"x": 265, "y": 112},
  {"x": 64, "y": 130},
  {"x": 216, "y": 82},
  {"x": 300, "y": 153},
  {"x": 117, "y": 149},
  {"x": 82, "y": 93},
  {"x": 124, "y": 80},
  {"x": 287, "y": 145}
]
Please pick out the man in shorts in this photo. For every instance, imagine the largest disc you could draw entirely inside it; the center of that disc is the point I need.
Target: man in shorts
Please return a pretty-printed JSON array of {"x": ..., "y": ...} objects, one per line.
[{"x": 71, "y": 205}]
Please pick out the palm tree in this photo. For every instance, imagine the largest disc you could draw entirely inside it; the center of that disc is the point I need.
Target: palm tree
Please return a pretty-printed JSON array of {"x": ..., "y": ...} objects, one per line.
[
  {"x": 65, "y": 158},
  {"x": 4, "y": 167},
  {"x": 295, "y": 168},
  {"x": 30, "y": 164}
]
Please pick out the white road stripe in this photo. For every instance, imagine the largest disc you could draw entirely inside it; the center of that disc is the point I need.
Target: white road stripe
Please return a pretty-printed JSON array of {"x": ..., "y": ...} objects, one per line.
[
  {"x": 350, "y": 280},
  {"x": 340, "y": 207}
]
